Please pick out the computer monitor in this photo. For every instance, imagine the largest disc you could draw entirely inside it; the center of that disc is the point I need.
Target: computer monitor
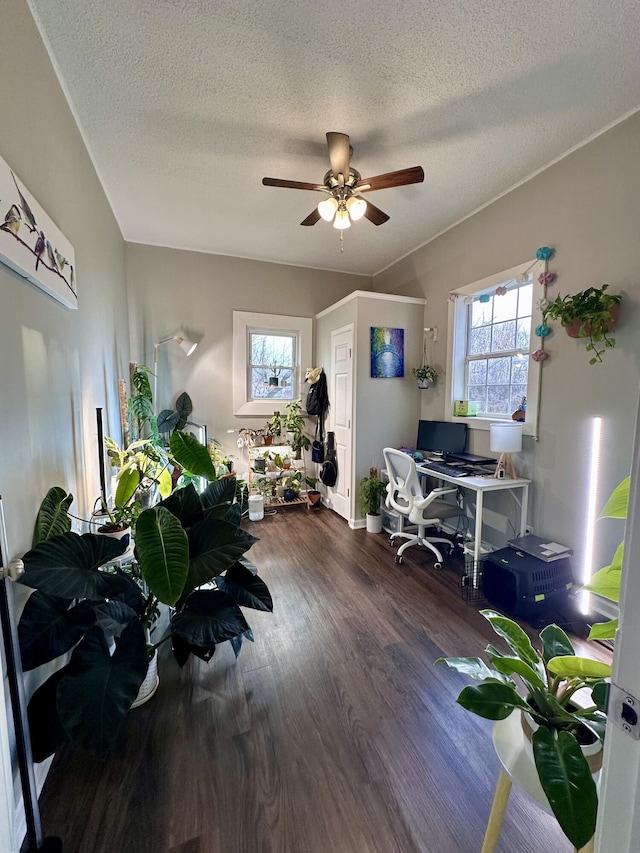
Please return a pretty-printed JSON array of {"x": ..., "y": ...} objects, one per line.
[{"x": 441, "y": 437}]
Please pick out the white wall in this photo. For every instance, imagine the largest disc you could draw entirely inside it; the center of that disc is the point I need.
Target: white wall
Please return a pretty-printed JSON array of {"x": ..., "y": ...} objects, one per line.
[
  {"x": 56, "y": 366},
  {"x": 587, "y": 206}
]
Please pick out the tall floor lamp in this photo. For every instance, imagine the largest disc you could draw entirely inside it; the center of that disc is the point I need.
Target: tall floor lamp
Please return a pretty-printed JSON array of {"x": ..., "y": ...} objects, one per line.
[
  {"x": 12, "y": 571},
  {"x": 185, "y": 345}
]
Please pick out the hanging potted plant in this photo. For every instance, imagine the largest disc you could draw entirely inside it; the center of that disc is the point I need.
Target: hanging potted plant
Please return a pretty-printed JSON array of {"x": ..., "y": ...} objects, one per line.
[
  {"x": 426, "y": 376},
  {"x": 561, "y": 734},
  {"x": 372, "y": 492},
  {"x": 591, "y": 314}
]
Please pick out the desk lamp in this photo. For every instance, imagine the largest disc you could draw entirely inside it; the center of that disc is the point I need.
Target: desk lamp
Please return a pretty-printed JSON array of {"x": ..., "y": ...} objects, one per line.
[{"x": 505, "y": 438}]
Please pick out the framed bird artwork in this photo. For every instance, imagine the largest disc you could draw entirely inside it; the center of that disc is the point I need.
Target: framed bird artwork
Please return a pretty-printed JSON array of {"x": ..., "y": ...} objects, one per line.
[{"x": 32, "y": 244}]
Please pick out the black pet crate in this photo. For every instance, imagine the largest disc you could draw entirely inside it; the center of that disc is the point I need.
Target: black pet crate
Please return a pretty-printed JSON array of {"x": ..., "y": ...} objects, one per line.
[{"x": 521, "y": 585}]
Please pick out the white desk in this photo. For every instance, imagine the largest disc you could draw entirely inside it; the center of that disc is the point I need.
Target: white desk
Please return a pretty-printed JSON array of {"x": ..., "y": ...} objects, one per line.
[{"x": 482, "y": 485}]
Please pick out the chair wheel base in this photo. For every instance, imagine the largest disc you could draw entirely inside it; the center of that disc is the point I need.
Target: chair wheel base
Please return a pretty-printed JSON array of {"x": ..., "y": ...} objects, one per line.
[
  {"x": 398, "y": 559},
  {"x": 437, "y": 565}
]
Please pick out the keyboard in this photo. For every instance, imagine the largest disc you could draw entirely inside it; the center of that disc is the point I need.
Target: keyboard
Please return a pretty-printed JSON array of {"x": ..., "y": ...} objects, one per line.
[{"x": 443, "y": 468}]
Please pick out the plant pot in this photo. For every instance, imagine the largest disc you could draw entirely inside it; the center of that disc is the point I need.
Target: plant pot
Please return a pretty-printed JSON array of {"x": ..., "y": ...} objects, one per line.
[
  {"x": 573, "y": 329},
  {"x": 289, "y": 495},
  {"x": 150, "y": 683},
  {"x": 116, "y": 531},
  {"x": 423, "y": 384},
  {"x": 260, "y": 465},
  {"x": 268, "y": 440},
  {"x": 374, "y": 523},
  {"x": 592, "y": 751},
  {"x": 314, "y": 496},
  {"x": 273, "y": 380}
]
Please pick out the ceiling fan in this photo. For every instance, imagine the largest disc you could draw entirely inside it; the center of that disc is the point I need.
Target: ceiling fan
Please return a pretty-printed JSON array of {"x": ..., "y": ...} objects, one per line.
[{"x": 344, "y": 187}]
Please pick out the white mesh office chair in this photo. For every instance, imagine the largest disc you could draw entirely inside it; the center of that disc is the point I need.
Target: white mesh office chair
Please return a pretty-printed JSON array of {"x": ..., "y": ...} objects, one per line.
[{"x": 405, "y": 495}]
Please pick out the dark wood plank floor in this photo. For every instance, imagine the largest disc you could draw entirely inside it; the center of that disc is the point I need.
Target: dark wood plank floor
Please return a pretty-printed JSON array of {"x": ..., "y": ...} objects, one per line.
[{"x": 333, "y": 733}]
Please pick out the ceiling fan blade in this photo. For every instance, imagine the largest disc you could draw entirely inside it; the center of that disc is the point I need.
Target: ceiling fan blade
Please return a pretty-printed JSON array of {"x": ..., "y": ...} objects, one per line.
[
  {"x": 312, "y": 218},
  {"x": 414, "y": 175},
  {"x": 339, "y": 153},
  {"x": 292, "y": 185},
  {"x": 375, "y": 215}
]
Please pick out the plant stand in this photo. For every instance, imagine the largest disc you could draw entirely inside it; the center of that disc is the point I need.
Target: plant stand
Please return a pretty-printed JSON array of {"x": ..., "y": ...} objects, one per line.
[{"x": 516, "y": 758}]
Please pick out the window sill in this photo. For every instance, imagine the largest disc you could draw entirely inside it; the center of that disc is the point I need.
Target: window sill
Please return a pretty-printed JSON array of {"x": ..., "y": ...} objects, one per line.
[{"x": 474, "y": 422}]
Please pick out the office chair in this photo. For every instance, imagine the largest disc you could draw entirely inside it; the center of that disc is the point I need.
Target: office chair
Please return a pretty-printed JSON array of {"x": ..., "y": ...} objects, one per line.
[{"x": 404, "y": 494}]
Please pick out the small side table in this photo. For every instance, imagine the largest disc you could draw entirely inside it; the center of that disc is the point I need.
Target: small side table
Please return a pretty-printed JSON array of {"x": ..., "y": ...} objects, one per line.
[{"x": 516, "y": 757}]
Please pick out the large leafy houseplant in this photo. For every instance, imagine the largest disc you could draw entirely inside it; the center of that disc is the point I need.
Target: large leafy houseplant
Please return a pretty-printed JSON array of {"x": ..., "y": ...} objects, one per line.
[
  {"x": 550, "y": 675},
  {"x": 371, "y": 492},
  {"x": 589, "y": 313},
  {"x": 190, "y": 552}
]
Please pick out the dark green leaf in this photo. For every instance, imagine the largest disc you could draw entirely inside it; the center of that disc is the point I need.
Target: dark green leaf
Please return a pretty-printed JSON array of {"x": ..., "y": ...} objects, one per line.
[
  {"x": 491, "y": 700},
  {"x": 210, "y": 616},
  {"x": 184, "y": 407},
  {"x": 185, "y": 505},
  {"x": 218, "y": 496},
  {"x": 514, "y": 635},
  {"x": 140, "y": 407},
  {"x": 167, "y": 421},
  {"x": 555, "y": 642},
  {"x": 247, "y": 589},
  {"x": 53, "y": 516},
  {"x": 114, "y": 616},
  {"x": 140, "y": 381},
  {"x": 213, "y": 547},
  {"x": 191, "y": 455},
  {"x": 45, "y": 728},
  {"x": 48, "y": 628},
  {"x": 600, "y": 695},
  {"x": 234, "y": 515},
  {"x": 472, "y": 667},
  {"x": 67, "y": 566},
  {"x": 162, "y": 550},
  {"x": 567, "y": 782},
  {"x": 98, "y": 689}
]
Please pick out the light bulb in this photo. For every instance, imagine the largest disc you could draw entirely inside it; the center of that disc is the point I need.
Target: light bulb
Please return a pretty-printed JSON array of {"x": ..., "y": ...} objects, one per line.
[
  {"x": 327, "y": 208},
  {"x": 356, "y": 207},
  {"x": 342, "y": 220}
]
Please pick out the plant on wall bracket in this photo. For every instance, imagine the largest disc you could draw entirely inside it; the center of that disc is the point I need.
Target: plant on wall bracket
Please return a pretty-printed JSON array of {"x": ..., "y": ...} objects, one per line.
[{"x": 591, "y": 314}]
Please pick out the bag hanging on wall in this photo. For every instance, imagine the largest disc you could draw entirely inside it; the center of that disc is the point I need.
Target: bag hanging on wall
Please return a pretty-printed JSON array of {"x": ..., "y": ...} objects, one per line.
[
  {"x": 329, "y": 470},
  {"x": 318, "y": 396},
  {"x": 317, "y": 445}
]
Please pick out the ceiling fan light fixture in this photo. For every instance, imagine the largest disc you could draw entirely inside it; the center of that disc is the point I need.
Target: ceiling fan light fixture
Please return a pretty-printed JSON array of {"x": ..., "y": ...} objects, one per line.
[
  {"x": 327, "y": 208},
  {"x": 356, "y": 207},
  {"x": 342, "y": 220}
]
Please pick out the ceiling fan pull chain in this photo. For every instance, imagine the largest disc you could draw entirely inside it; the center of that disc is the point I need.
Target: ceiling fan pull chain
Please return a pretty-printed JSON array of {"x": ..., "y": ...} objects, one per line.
[{"x": 341, "y": 241}]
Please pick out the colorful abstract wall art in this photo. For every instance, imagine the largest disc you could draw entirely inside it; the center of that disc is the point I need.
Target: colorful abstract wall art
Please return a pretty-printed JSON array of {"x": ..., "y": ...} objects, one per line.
[{"x": 387, "y": 353}]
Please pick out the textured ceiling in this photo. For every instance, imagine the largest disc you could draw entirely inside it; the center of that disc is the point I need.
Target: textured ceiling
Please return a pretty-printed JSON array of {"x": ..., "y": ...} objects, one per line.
[{"x": 186, "y": 104}]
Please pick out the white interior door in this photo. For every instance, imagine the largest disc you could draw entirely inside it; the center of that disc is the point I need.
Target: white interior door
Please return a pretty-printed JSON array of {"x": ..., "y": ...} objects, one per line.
[{"x": 340, "y": 497}]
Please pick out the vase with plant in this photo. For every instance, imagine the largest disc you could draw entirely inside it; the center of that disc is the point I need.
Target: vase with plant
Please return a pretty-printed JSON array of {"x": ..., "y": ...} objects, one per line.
[
  {"x": 591, "y": 313},
  {"x": 372, "y": 492},
  {"x": 550, "y": 677},
  {"x": 189, "y": 556},
  {"x": 294, "y": 424},
  {"x": 426, "y": 375}
]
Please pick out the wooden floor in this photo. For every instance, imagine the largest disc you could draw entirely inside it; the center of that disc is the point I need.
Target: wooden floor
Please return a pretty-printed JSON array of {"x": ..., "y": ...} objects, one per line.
[{"x": 333, "y": 733}]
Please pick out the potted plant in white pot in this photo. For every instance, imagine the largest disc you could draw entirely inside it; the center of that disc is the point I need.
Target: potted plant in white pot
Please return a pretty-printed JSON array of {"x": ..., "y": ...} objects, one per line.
[
  {"x": 372, "y": 493},
  {"x": 426, "y": 376},
  {"x": 558, "y": 728}
]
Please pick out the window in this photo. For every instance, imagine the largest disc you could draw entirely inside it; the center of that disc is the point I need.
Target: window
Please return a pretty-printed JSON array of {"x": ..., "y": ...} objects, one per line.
[
  {"x": 490, "y": 340},
  {"x": 272, "y": 364},
  {"x": 266, "y": 348},
  {"x": 497, "y": 351}
]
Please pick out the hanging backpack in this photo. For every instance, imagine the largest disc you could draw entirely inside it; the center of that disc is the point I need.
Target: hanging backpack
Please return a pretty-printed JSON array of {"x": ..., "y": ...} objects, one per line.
[
  {"x": 329, "y": 470},
  {"x": 318, "y": 397}
]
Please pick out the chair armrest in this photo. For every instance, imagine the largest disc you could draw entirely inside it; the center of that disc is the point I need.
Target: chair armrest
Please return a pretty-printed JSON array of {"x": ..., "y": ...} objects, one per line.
[{"x": 421, "y": 503}]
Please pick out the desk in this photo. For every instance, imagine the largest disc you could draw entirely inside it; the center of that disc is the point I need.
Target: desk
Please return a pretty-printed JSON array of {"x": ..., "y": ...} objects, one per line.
[{"x": 481, "y": 485}]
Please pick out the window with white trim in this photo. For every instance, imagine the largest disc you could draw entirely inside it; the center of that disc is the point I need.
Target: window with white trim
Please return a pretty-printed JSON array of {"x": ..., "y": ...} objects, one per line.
[
  {"x": 266, "y": 348},
  {"x": 490, "y": 339}
]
